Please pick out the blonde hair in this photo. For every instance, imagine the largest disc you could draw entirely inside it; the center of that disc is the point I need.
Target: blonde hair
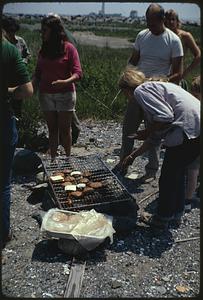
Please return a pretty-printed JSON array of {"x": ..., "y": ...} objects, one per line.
[
  {"x": 131, "y": 77},
  {"x": 172, "y": 13},
  {"x": 195, "y": 85}
]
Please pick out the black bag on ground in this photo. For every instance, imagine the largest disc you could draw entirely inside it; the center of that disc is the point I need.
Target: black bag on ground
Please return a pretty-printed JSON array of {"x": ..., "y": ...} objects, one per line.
[{"x": 26, "y": 162}]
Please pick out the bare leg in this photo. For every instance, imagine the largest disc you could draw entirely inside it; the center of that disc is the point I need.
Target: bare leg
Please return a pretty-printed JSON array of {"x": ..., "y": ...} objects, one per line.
[
  {"x": 64, "y": 124},
  {"x": 51, "y": 119},
  {"x": 75, "y": 125}
]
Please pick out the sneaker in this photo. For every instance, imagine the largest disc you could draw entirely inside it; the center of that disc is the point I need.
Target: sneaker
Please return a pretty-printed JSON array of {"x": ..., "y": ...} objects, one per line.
[
  {"x": 154, "y": 221},
  {"x": 188, "y": 205},
  {"x": 191, "y": 203}
]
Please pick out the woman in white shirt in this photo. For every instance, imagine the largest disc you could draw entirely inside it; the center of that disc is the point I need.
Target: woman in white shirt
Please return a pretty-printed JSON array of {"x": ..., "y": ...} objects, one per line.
[{"x": 174, "y": 118}]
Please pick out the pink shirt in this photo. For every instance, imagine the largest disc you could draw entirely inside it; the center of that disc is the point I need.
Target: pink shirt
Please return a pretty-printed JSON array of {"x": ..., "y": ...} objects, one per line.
[{"x": 48, "y": 70}]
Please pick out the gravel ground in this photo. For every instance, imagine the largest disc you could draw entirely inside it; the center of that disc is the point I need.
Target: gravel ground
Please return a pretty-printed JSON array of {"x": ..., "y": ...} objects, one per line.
[{"x": 139, "y": 264}]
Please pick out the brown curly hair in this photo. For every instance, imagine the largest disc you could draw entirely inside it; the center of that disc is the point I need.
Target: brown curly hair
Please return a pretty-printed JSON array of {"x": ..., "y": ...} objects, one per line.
[{"x": 54, "y": 47}]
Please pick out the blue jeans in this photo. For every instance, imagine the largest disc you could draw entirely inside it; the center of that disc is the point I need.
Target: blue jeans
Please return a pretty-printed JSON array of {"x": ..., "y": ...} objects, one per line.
[
  {"x": 172, "y": 180},
  {"x": 8, "y": 150}
]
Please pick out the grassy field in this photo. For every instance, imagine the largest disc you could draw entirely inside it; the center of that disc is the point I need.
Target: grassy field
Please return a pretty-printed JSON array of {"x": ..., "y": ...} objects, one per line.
[{"x": 98, "y": 87}]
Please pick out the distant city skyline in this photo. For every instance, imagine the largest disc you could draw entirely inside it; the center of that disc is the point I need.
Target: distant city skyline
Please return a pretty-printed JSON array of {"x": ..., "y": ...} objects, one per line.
[{"x": 186, "y": 11}]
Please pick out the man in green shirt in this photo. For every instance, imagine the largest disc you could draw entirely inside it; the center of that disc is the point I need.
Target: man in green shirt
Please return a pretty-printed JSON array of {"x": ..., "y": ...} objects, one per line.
[{"x": 15, "y": 83}]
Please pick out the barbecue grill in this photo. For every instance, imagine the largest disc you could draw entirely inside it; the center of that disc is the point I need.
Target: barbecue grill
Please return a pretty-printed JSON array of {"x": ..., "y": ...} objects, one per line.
[{"x": 111, "y": 197}]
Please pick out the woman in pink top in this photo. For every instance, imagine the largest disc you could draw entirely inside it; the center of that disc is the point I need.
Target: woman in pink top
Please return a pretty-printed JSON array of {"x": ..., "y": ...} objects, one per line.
[{"x": 58, "y": 67}]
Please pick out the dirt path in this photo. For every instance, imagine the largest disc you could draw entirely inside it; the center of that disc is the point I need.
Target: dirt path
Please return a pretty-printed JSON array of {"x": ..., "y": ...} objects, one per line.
[{"x": 89, "y": 38}]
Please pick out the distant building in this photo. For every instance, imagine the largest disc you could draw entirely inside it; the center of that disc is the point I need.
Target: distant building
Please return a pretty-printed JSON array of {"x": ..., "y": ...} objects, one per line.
[
  {"x": 102, "y": 11},
  {"x": 133, "y": 14}
]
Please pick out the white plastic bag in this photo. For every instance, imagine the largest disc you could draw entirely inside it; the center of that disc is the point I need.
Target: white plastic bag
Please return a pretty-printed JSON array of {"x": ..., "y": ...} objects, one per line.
[{"x": 89, "y": 228}]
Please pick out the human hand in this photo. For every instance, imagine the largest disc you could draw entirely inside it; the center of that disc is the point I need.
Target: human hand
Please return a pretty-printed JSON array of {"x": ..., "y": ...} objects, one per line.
[
  {"x": 59, "y": 83},
  {"x": 128, "y": 160}
]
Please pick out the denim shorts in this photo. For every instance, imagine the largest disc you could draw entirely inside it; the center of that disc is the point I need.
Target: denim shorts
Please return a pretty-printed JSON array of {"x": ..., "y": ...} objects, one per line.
[{"x": 58, "y": 102}]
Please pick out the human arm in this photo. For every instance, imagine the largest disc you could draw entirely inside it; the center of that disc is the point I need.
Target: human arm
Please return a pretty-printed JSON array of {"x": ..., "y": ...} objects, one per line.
[
  {"x": 176, "y": 70},
  {"x": 37, "y": 74},
  {"x": 75, "y": 68},
  {"x": 35, "y": 83},
  {"x": 128, "y": 160},
  {"x": 61, "y": 83},
  {"x": 147, "y": 144},
  {"x": 133, "y": 60},
  {"x": 194, "y": 49},
  {"x": 22, "y": 91},
  {"x": 19, "y": 84},
  {"x": 145, "y": 133},
  {"x": 25, "y": 52}
]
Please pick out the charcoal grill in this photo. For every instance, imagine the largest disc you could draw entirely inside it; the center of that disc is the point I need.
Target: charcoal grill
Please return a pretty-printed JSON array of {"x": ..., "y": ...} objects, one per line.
[{"x": 104, "y": 199}]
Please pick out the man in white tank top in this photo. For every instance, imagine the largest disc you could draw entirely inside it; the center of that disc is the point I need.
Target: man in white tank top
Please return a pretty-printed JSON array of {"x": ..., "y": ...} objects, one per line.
[{"x": 157, "y": 52}]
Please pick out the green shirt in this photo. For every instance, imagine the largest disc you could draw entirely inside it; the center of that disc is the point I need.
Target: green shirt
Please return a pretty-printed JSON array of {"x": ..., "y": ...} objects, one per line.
[{"x": 13, "y": 69}]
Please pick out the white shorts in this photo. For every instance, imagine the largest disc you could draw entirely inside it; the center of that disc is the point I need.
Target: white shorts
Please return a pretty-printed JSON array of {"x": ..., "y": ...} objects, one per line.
[{"x": 58, "y": 102}]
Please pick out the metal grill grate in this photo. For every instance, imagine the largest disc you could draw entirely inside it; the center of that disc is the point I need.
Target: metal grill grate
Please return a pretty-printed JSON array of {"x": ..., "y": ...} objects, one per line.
[{"x": 112, "y": 190}]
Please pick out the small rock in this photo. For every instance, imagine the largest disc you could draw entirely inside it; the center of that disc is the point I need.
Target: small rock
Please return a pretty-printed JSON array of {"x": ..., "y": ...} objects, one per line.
[
  {"x": 165, "y": 278},
  {"x": 33, "y": 295},
  {"x": 47, "y": 295},
  {"x": 161, "y": 290},
  {"x": 66, "y": 269},
  {"x": 116, "y": 284},
  {"x": 99, "y": 140},
  {"x": 182, "y": 289}
]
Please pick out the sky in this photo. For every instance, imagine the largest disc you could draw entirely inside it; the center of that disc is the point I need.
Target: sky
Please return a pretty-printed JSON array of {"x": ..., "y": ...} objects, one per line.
[{"x": 186, "y": 11}]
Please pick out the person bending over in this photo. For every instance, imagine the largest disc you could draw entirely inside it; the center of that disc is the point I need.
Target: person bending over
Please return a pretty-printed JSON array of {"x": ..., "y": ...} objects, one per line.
[{"x": 173, "y": 115}]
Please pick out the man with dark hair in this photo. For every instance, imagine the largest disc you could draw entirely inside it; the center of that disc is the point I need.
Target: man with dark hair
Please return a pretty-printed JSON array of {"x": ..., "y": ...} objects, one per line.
[
  {"x": 16, "y": 82},
  {"x": 11, "y": 26},
  {"x": 157, "y": 52}
]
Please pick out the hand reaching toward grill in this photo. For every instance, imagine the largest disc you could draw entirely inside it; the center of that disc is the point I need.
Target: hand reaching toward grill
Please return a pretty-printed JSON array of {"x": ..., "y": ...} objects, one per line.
[{"x": 127, "y": 161}]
